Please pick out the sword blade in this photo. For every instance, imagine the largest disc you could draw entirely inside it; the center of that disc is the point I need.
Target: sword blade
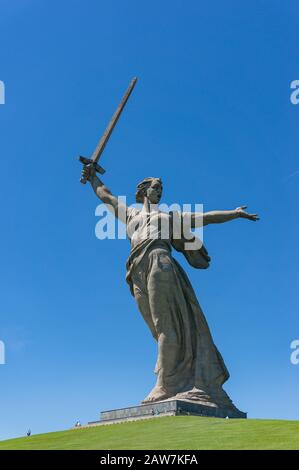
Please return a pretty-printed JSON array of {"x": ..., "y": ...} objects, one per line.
[{"x": 104, "y": 139}]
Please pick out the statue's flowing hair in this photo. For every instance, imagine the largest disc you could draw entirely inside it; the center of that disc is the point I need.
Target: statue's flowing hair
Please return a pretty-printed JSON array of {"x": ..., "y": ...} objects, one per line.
[{"x": 143, "y": 186}]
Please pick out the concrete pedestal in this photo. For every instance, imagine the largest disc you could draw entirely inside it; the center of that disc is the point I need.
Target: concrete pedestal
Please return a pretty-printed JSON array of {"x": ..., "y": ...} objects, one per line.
[{"x": 167, "y": 408}]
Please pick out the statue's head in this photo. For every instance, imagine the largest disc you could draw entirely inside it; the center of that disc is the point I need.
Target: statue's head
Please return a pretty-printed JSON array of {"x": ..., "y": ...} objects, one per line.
[{"x": 151, "y": 188}]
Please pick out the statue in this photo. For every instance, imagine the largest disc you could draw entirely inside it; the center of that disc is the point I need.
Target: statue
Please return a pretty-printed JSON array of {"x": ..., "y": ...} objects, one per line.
[{"x": 189, "y": 365}]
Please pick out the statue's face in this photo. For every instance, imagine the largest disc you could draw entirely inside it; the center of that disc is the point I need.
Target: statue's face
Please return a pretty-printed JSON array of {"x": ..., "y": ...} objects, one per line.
[{"x": 154, "y": 192}]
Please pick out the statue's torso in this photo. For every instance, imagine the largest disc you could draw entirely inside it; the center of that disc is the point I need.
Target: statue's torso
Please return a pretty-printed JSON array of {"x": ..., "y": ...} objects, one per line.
[{"x": 155, "y": 225}]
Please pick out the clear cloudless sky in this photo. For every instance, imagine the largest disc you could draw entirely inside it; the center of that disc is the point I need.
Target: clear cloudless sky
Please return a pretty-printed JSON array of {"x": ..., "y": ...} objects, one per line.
[{"x": 211, "y": 114}]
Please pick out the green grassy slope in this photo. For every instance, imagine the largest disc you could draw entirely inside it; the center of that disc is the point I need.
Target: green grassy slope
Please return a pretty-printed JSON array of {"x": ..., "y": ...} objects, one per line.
[{"x": 182, "y": 432}]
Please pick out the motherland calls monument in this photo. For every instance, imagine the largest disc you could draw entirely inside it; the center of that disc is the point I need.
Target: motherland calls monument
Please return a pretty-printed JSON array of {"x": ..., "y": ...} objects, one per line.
[{"x": 190, "y": 370}]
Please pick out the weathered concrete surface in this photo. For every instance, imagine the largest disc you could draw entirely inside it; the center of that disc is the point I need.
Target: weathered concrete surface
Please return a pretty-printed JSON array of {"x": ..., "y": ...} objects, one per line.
[{"x": 167, "y": 408}]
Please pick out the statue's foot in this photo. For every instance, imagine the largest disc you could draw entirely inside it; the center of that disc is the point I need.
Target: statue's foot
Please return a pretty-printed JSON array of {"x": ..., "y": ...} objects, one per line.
[
  {"x": 157, "y": 394},
  {"x": 195, "y": 394}
]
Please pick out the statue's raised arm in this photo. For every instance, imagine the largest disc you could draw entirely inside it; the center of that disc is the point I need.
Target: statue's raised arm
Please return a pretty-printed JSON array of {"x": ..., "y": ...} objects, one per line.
[{"x": 104, "y": 194}]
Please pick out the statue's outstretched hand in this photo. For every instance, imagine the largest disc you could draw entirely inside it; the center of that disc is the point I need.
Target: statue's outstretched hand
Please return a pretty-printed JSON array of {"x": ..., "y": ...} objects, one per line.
[
  {"x": 243, "y": 214},
  {"x": 88, "y": 172}
]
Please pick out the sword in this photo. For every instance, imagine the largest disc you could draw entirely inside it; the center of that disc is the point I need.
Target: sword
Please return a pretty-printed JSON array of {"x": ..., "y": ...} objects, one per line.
[{"x": 105, "y": 137}]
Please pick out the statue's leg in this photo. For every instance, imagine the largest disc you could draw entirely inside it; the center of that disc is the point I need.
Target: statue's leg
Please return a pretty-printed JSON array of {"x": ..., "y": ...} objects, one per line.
[
  {"x": 167, "y": 306},
  {"x": 141, "y": 298}
]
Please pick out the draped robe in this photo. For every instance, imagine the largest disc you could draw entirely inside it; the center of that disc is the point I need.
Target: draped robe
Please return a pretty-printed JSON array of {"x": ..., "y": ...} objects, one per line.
[{"x": 188, "y": 365}]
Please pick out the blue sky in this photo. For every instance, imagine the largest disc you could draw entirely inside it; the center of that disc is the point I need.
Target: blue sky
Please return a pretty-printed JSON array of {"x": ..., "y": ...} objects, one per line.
[{"x": 211, "y": 114}]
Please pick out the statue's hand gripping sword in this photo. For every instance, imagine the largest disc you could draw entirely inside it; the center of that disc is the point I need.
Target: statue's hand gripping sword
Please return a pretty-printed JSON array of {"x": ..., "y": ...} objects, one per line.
[{"x": 104, "y": 139}]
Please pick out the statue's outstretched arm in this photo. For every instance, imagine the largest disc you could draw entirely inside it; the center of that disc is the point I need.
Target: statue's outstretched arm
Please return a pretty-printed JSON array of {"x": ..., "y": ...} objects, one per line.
[
  {"x": 218, "y": 217},
  {"x": 103, "y": 193}
]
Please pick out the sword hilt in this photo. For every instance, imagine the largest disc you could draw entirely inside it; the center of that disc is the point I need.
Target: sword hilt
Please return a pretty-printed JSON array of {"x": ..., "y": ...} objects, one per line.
[{"x": 88, "y": 161}]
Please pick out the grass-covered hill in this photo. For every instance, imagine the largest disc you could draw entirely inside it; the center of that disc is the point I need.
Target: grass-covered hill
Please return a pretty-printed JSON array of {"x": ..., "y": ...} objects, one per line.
[{"x": 182, "y": 432}]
